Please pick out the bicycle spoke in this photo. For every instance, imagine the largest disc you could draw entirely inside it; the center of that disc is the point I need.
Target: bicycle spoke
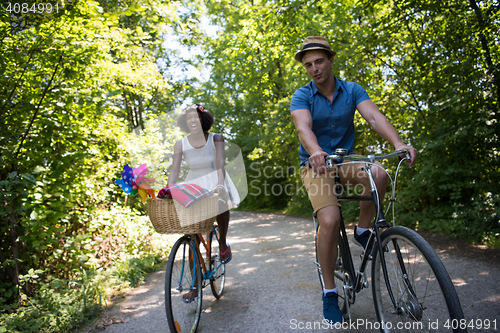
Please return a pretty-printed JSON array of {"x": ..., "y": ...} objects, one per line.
[
  {"x": 183, "y": 290},
  {"x": 424, "y": 294}
]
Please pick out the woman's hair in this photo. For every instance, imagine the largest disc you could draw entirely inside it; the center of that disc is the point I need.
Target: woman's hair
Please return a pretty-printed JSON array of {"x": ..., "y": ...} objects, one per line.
[{"x": 206, "y": 118}]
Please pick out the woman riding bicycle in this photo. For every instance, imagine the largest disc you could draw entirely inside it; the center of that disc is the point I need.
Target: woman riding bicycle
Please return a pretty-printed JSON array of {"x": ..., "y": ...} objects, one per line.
[{"x": 204, "y": 153}]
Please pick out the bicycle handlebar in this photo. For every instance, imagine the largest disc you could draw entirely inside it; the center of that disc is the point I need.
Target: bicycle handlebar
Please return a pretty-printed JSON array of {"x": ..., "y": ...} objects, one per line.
[{"x": 340, "y": 154}]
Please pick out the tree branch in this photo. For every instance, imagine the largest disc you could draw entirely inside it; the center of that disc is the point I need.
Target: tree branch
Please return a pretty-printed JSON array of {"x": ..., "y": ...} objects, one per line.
[
  {"x": 17, "y": 83},
  {"x": 38, "y": 107},
  {"x": 141, "y": 110},
  {"x": 484, "y": 44}
]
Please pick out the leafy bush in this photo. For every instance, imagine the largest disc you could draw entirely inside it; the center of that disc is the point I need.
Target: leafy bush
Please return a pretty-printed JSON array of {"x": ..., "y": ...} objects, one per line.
[
  {"x": 119, "y": 248},
  {"x": 55, "y": 307},
  {"x": 480, "y": 221}
]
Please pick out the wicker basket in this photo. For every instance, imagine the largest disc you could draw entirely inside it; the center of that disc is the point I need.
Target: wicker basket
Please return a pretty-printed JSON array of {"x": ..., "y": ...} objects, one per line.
[{"x": 169, "y": 217}]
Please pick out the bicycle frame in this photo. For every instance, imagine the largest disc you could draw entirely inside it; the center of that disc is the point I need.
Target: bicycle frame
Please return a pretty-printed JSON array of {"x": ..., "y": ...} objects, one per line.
[
  {"x": 358, "y": 280},
  {"x": 199, "y": 239},
  {"x": 190, "y": 269}
]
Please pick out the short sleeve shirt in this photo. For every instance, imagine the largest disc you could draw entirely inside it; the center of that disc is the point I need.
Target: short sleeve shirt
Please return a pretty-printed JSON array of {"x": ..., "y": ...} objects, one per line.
[{"x": 333, "y": 123}]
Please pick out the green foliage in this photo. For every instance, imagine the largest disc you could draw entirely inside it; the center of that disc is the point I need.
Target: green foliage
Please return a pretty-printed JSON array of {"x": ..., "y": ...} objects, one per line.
[
  {"x": 134, "y": 270},
  {"x": 53, "y": 308},
  {"x": 431, "y": 67},
  {"x": 73, "y": 84},
  {"x": 70, "y": 87},
  {"x": 449, "y": 93},
  {"x": 120, "y": 248}
]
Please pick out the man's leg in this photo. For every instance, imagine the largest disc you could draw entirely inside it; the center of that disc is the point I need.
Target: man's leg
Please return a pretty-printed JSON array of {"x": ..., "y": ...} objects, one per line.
[
  {"x": 327, "y": 243},
  {"x": 325, "y": 204},
  {"x": 327, "y": 249}
]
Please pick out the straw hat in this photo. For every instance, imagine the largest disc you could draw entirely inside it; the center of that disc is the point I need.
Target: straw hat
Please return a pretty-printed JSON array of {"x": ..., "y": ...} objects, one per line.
[{"x": 314, "y": 43}]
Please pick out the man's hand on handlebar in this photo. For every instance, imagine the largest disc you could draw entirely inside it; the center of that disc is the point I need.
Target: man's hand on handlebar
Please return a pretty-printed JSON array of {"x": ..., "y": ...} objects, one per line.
[
  {"x": 317, "y": 162},
  {"x": 412, "y": 151}
]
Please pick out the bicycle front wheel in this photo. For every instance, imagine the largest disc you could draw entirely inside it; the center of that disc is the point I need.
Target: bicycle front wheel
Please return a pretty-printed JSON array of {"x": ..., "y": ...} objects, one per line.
[
  {"x": 424, "y": 296},
  {"x": 217, "y": 268},
  {"x": 183, "y": 291}
]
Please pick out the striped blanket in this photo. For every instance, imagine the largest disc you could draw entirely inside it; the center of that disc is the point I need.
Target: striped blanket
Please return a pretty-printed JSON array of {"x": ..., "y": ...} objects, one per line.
[{"x": 185, "y": 194}]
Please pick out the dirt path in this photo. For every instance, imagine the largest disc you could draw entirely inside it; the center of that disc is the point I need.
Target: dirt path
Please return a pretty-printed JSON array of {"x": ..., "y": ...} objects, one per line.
[{"x": 272, "y": 284}]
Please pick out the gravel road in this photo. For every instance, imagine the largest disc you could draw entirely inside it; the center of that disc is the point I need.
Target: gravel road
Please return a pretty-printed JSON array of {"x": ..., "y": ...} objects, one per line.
[{"x": 272, "y": 284}]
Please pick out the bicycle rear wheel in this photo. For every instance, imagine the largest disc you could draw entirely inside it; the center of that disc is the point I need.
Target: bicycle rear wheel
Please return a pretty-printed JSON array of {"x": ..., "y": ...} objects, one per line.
[
  {"x": 217, "y": 268},
  {"x": 183, "y": 276},
  {"x": 425, "y": 297}
]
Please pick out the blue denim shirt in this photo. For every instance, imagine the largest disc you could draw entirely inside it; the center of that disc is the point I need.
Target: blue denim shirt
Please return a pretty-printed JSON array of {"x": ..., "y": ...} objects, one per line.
[{"x": 333, "y": 123}]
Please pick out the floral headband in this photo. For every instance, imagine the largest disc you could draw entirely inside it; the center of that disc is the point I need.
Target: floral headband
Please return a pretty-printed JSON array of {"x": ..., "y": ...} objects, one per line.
[{"x": 195, "y": 106}]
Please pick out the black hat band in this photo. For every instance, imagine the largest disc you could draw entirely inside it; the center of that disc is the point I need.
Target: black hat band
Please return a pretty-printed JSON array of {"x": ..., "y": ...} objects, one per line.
[{"x": 310, "y": 45}]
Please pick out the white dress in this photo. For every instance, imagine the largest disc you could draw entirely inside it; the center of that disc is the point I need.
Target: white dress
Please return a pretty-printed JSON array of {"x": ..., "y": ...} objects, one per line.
[{"x": 202, "y": 168}]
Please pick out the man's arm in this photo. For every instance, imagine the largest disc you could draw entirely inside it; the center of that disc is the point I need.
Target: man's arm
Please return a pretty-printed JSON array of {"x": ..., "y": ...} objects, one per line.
[
  {"x": 303, "y": 123},
  {"x": 370, "y": 112}
]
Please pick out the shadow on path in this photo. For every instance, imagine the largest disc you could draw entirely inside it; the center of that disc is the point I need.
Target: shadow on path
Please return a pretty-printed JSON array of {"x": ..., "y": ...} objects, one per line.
[{"x": 272, "y": 284}]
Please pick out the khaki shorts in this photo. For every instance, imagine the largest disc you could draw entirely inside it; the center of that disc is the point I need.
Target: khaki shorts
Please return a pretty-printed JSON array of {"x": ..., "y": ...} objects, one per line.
[{"x": 322, "y": 190}]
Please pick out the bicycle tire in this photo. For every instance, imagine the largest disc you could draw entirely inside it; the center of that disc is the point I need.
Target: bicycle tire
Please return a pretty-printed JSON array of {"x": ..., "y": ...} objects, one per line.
[
  {"x": 217, "y": 268},
  {"x": 426, "y": 300},
  {"x": 340, "y": 274},
  {"x": 182, "y": 316}
]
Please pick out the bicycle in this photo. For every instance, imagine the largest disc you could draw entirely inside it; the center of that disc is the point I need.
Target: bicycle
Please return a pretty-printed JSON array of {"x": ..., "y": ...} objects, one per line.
[
  {"x": 187, "y": 273},
  {"x": 411, "y": 288}
]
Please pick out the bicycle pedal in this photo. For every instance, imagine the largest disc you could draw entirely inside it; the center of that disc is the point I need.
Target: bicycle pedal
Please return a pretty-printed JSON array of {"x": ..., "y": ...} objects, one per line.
[{"x": 365, "y": 283}]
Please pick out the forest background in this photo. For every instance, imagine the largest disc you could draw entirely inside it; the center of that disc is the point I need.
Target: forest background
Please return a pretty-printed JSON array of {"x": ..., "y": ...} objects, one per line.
[{"x": 79, "y": 86}]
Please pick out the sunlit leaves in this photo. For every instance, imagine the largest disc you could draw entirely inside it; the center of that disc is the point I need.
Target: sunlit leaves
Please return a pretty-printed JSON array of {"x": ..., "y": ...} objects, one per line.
[
  {"x": 429, "y": 66},
  {"x": 61, "y": 104}
]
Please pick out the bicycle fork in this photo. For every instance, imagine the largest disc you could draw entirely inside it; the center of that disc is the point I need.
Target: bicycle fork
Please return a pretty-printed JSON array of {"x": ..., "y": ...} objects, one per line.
[{"x": 380, "y": 222}]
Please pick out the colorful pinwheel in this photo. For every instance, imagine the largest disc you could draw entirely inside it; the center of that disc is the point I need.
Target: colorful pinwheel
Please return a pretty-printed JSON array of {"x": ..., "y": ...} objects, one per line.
[{"x": 133, "y": 181}]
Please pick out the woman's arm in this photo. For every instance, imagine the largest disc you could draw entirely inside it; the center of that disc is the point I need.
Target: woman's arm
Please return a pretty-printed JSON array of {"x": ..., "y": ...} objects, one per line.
[
  {"x": 176, "y": 164},
  {"x": 220, "y": 158}
]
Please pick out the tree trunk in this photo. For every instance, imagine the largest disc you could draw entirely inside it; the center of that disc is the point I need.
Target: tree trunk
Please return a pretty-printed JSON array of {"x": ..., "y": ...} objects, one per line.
[{"x": 492, "y": 68}]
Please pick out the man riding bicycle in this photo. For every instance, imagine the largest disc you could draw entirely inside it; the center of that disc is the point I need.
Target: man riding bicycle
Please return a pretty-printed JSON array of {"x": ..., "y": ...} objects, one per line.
[{"x": 323, "y": 114}]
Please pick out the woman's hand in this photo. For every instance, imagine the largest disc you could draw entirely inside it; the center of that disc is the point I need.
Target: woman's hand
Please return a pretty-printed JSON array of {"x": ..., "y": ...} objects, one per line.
[{"x": 222, "y": 191}]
